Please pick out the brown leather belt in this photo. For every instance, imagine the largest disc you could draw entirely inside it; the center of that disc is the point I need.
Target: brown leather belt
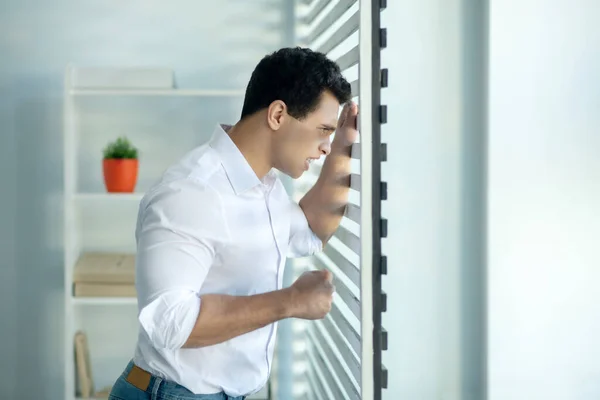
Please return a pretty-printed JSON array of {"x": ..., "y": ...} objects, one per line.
[{"x": 139, "y": 378}]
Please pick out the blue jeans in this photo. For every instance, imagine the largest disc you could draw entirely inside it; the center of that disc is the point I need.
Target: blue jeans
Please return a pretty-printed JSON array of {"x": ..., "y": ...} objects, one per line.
[{"x": 158, "y": 389}]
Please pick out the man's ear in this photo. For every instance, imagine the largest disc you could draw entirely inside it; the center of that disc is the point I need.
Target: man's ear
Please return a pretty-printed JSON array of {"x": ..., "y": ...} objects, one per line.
[{"x": 276, "y": 114}]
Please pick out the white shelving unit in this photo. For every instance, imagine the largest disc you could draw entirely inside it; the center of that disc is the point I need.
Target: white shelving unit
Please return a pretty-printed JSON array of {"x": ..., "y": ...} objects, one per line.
[
  {"x": 100, "y": 301},
  {"x": 164, "y": 124},
  {"x": 136, "y": 197},
  {"x": 156, "y": 92}
]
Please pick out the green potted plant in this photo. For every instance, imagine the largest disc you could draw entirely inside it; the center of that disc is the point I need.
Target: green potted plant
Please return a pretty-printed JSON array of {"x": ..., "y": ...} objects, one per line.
[{"x": 120, "y": 166}]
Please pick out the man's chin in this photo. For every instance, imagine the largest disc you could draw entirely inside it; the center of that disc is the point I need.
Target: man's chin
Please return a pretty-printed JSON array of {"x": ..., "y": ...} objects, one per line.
[
  {"x": 296, "y": 174},
  {"x": 292, "y": 174}
]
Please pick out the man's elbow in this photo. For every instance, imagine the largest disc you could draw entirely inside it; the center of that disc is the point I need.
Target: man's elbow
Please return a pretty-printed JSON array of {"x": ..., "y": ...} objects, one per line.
[
  {"x": 195, "y": 342},
  {"x": 162, "y": 337},
  {"x": 169, "y": 328}
]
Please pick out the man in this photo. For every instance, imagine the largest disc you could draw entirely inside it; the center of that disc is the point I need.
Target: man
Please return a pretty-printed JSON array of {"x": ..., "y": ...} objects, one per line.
[{"x": 213, "y": 236}]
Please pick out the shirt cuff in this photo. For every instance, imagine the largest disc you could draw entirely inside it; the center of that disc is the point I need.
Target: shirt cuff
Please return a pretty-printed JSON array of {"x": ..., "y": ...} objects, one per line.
[
  {"x": 170, "y": 319},
  {"x": 303, "y": 241}
]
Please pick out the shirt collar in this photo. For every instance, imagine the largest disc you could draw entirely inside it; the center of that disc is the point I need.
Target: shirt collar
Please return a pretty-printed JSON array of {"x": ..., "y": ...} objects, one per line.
[{"x": 241, "y": 175}]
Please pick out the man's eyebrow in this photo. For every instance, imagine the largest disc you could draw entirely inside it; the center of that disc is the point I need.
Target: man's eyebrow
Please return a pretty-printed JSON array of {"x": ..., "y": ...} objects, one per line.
[{"x": 328, "y": 127}]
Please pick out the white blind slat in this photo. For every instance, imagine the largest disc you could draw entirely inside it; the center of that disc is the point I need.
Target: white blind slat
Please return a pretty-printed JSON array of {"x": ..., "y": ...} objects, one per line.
[{"x": 349, "y": 27}]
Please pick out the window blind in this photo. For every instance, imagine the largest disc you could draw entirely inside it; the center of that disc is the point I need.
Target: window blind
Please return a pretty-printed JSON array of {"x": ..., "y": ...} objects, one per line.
[{"x": 343, "y": 351}]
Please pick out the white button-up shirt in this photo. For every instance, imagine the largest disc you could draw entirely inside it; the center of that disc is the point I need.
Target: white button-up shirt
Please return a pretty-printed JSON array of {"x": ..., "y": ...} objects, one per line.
[{"x": 210, "y": 225}]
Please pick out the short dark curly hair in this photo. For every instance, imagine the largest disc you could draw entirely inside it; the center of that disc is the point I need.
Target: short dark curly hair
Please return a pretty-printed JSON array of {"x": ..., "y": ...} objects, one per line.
[{"x": 298, "y": 77}]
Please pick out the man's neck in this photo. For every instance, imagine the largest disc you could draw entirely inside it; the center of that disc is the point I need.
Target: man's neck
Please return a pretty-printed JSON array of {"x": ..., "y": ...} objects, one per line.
[{"x": 253, "y": 141}]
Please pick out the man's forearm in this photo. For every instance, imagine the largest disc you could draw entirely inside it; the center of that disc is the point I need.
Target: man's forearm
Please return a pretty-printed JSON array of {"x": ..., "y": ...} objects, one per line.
[
  {"x": 223, "y": 317},
  {"x": 325, "y": 202}
]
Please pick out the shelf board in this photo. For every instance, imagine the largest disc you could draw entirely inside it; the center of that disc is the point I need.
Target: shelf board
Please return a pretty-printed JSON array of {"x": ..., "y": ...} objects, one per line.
[
  {"x": 109, "y": 196},
  {"x": 158, "y": 92},
  {"x": 100, "y": 301},
  {"x": 91, "y": 398}
]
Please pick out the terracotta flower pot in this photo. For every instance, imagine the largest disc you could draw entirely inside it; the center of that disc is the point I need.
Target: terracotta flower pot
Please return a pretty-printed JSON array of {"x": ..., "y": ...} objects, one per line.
[{"x": 120, "y": 174}]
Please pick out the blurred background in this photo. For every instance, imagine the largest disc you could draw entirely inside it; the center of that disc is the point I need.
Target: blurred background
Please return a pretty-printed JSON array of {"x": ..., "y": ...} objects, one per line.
[{"x": 493, "y": 173}]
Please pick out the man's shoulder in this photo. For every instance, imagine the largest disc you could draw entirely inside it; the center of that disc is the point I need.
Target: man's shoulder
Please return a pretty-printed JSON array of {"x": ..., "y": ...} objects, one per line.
[
  {"x": 184, "y": 204},
  {"x": 181, "y": 191},
  {"x": 201, "y": 163},
  {"x": 193, "y": 175}
]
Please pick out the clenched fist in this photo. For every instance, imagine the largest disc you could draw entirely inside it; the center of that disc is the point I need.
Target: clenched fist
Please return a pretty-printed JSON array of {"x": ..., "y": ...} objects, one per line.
[{"x": 312, "y": 294}]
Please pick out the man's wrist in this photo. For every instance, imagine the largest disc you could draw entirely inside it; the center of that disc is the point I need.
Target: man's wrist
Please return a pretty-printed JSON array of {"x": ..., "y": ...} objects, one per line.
[
  {"x": 287, "y": 302},
  {"x": 339, "y": 147}
]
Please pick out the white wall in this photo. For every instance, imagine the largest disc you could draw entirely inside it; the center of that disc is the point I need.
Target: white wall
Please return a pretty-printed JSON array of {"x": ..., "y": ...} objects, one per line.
[
  {"x": 494, "y": 222},
  {"x": 435, "y": 171},
  {"x": 209, "y": 46},
  {"x": 544, "y": 200}
]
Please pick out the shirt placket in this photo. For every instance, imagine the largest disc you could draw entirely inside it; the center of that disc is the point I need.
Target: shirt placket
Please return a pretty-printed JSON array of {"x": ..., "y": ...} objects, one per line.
[{"x": 266, "y": 192}]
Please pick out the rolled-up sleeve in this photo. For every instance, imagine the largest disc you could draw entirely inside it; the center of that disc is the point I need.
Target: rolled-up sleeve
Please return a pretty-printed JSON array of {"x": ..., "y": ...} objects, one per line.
[
  {"x": 303, "y": 241},
  {"x": 180, "y": 229}
]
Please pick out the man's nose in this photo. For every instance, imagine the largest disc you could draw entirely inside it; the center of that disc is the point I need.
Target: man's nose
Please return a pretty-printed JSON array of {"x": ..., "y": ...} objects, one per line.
[{"x": 325, "y": 148}]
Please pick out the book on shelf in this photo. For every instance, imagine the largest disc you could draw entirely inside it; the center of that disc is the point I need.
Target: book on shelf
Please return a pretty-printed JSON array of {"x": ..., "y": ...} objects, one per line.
[
  {"x": 98, "y": 274},
  {"x": 85, "y": 383},
  {"x": 103, "y": 290},
  {"x": 83, "y": 367}
]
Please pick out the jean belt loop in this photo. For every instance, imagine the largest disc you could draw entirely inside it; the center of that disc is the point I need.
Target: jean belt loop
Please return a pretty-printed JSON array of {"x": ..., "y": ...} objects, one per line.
[{"x": 157, "y": 382}]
